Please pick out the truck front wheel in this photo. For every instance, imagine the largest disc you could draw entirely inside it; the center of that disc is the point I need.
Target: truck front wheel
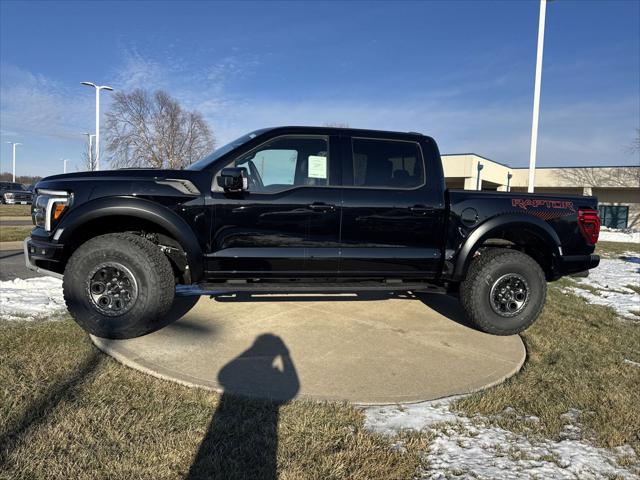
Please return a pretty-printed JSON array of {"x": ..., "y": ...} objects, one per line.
[
  {"x": 118, "y": 286},
  {"x": 504, "y": 291}
]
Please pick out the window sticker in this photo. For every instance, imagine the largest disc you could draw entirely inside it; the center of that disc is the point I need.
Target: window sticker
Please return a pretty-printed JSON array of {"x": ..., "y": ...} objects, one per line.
[{"x": 317, "y": 166}]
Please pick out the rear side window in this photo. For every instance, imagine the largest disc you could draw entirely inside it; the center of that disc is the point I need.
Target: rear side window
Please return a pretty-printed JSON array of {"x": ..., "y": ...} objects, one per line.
[{"x": 387, "y": 164}]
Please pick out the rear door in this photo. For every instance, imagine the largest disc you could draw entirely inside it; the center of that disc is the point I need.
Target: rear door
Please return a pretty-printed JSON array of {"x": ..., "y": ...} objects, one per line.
[
  {"x": 392, "y": 209},
  {"x": 288, "y": 222}
]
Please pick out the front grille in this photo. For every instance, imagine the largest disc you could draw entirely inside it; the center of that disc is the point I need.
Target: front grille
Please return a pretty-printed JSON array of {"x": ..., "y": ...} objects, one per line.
[{"x": 22, "y": 197}]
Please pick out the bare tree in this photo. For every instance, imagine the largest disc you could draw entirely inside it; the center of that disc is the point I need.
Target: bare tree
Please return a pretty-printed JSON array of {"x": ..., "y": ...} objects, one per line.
[
  {"x": 153, "y": 130},
  {"x": 602, "y": 176},
  {"x": 634, "y": 148},
  {"x": 24, "y": 179},
  {"x": 87, "y": 159}
]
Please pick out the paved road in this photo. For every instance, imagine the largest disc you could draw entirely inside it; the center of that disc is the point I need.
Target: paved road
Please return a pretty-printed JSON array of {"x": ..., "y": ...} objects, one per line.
[{"x": 12, "y": 266}]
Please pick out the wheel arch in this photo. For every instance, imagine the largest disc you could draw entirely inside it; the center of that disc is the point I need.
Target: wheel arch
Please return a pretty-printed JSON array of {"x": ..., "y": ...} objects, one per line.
[
  {"x": 527, "y": 233},
  {"x": 110, "y": 215}
]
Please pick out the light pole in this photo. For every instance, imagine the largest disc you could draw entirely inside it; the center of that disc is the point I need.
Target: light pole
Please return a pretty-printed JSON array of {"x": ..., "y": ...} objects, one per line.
[
  {"x": 64, "y": 162},
  {"x": 536, "y": 97},
  {"x": 14, "y": 145},
  {"x": 90, "y": 137},
  {"x": 478, "y": 179},
  {"x": 98, "y": 88},
  {"x": 509, "y": 177}
]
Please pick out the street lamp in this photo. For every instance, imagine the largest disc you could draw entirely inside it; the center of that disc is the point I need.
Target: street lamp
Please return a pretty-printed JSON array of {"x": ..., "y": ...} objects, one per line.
[
  {"x": 90, "y": 138},
  {"x": 536, "y": 97},
  {"x": 98, "y": 88},
  {"x": 478, "y": 179},
  {"x": 14, "y": 145}
]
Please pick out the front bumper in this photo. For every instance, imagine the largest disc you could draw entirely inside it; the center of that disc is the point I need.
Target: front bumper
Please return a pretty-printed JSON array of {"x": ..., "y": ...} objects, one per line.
[{"x": 42, "y": 256}]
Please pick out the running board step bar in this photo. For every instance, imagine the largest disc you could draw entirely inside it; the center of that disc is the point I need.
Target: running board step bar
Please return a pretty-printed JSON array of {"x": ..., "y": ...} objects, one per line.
[{"x": 213, "y": 289}]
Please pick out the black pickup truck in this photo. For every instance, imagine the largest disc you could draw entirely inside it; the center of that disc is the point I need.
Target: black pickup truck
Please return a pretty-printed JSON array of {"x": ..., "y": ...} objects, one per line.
[{"x": 302, "y": 209}]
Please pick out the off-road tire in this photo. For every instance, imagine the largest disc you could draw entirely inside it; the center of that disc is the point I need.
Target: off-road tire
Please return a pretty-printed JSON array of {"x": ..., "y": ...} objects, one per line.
[
  {"x": 152, "y": 273},
  {"x": 485, "y": 270}
]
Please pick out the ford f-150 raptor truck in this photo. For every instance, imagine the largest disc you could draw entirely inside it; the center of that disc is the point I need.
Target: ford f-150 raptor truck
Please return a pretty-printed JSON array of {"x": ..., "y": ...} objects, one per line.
[{"x": 302, "y": 209}]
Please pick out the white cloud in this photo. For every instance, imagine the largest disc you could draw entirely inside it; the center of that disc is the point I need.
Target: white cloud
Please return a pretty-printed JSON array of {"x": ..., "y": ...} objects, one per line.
[
  {"x": 36, "y": 105},
  {"x": 456, "y": 115}
]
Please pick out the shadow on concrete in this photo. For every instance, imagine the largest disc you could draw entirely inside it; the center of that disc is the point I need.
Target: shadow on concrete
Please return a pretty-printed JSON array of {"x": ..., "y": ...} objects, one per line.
[
  {"x": 181, "y": 306},
  {"x": 446, "y": 305},
  {"x": 242, "y": 438}
]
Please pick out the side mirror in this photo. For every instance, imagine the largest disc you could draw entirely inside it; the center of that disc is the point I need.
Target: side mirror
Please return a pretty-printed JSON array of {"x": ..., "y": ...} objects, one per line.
[{"x": 233, "y": 179}]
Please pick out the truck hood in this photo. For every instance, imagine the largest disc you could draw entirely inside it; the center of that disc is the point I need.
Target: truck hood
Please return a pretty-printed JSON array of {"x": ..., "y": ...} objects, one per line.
[{"x": 121, "y": 174}]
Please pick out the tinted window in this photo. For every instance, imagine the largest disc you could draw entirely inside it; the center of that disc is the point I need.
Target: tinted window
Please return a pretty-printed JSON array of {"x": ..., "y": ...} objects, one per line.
[
  {"x": 387, "y": 163},
  {"x": 286, "y": 162},
  {"x": 11, "y": 186}
]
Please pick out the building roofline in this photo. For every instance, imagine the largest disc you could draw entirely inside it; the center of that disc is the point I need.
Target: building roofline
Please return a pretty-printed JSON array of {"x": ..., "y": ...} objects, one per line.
[{"x": 538, "y": 168}]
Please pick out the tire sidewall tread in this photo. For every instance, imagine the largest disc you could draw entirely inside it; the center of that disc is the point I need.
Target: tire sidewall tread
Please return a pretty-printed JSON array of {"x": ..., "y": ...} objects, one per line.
[
  {"x": 153, "y": 272},
  {"x": 483, "y": 272}
]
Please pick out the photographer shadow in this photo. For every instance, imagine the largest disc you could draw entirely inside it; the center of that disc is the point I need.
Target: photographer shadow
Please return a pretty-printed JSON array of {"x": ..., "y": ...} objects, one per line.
[{"x": 242, "y": 438}]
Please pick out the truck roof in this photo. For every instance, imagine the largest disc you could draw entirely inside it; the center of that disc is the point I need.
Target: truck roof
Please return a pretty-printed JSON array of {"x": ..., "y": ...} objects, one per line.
[{"x": 347, "y": 130}]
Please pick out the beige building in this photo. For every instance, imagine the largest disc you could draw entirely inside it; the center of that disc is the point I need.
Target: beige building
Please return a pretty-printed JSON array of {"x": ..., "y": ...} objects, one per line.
[{"x": 617, "y": 188}]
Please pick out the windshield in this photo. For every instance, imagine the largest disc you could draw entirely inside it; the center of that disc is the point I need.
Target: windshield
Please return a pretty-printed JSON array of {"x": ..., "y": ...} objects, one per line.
[
  {"x": 219, "y": 152},
  {"x": 11, "y": 186}
]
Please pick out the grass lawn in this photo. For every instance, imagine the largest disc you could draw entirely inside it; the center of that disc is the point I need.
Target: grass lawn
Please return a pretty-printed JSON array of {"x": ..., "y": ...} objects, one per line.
[
  {"x": 9, "y": 234},
  {"x": 68, "y": 411},
  {"x": 615, "y": 249},
  {"x": 15, "y": 210}
]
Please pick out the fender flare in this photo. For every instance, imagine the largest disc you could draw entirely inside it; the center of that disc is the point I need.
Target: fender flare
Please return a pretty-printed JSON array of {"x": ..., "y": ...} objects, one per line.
[
  {"x": 138, "y": 208},
  {"x": 516, "y": 220}
]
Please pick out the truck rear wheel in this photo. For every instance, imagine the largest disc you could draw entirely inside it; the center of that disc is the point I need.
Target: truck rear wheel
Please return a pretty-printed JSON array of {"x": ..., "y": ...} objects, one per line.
[
  {"x": 504, "y": 291},
  {"x": 118, "y": 286}
]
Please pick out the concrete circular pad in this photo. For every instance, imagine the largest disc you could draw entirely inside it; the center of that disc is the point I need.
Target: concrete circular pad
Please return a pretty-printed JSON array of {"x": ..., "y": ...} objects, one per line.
[{"x": 365, "y": 348}]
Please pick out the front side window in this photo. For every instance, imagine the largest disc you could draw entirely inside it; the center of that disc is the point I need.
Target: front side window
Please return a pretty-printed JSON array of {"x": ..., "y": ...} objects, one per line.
[
  {"x": 387, "y": 164},
  {"x": 286, "y": 162}
]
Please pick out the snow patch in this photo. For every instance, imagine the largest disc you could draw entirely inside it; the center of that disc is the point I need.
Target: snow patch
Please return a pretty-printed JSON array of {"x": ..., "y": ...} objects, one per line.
[
  {"x": 609, "y": 282},
  {"x": 472, "y": 448},
  {"x": 28, "y": 299},
  {"x": 613, "y": 235}
]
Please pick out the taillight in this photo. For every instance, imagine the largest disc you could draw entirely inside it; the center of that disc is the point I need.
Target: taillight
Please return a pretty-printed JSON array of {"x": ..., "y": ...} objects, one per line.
[{"x": 589, "y": 223}]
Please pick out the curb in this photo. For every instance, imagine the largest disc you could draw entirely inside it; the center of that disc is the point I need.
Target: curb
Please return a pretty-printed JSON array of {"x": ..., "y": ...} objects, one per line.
[{"x": 16, "y": 245}]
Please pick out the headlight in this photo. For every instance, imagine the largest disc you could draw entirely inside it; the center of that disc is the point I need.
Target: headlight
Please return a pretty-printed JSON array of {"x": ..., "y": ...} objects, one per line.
[
  {"x": 8, "y": 195},
  {"x": 48, "y": 207}
]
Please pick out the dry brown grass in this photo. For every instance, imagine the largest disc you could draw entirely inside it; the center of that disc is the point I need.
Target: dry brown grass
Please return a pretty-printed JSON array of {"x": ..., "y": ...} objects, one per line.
[
  {"x": 13, "y": 233},
  {"x": 15, "y": 210},
  {"x": 68, "y": 411},
  {"x": 575, "y": 359},
  {"x": 615, "y": 249}
]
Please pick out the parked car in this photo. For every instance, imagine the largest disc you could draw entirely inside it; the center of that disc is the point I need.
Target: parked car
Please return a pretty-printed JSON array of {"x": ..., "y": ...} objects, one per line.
[
  {"x": 303, "y": 209},
  {"x": 14, "y": 193}
]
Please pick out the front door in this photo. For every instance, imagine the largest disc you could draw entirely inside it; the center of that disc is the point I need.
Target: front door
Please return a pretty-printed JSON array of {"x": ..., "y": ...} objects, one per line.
[
  {"x": 392, "y": 217},
  {"x": 288, "y": 222}
]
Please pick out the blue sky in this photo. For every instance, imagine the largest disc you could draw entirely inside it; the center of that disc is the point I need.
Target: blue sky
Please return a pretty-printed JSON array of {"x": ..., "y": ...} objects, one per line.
[{"x": 459, "y": 71}]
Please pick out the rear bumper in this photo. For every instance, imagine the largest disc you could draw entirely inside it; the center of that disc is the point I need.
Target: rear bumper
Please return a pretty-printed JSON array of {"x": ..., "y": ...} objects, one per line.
[
  {"x": 40, "y": 256},
  {"x": 569, "y": 264}
]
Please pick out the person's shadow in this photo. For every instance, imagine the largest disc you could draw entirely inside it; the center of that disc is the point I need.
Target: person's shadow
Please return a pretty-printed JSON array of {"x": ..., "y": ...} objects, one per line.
[{"x": 242, "y": 439}]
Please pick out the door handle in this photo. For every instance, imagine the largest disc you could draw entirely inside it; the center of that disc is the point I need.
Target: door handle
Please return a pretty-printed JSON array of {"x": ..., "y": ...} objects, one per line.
[
  {"x": 321, "y": 207},
  {"x": 421, "y": 209}
]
